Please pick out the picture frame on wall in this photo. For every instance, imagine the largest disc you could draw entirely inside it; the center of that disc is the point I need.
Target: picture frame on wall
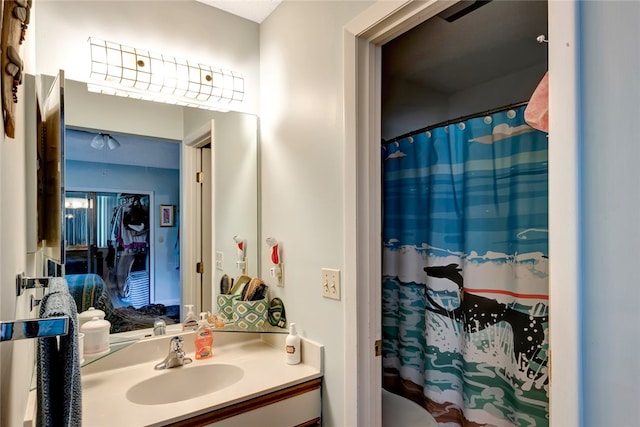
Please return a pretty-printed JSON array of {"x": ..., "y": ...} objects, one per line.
[{"x": 167, "y": 215}]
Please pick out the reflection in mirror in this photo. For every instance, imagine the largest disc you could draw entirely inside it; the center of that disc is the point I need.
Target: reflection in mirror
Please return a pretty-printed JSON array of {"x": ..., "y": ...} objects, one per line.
[
  {"x": 50, "y": 168},
  {"x": 118, "y": 257},
  {"x": 150, "y": 160}
]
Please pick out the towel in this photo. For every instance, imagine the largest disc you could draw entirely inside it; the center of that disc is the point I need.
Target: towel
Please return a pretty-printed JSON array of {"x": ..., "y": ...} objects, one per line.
[
  {"x": 58, "y": 374},
  {"x": 537, "y": 112}
]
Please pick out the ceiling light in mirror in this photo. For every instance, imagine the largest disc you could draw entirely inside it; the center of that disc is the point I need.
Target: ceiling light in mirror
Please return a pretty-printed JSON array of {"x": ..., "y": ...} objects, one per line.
[
  {"x": 138, "y": 73},
  {"x": 104, "y": 139}
]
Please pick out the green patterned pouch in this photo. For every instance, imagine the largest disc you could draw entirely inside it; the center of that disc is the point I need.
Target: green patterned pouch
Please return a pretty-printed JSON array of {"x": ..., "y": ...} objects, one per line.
[
  {"x": 225, "y": 306},
  {"x": 250, "y": 314}
]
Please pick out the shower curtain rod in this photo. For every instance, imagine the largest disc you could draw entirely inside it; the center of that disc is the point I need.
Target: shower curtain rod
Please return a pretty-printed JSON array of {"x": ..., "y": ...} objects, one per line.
[{"x": 453, "y": 121}]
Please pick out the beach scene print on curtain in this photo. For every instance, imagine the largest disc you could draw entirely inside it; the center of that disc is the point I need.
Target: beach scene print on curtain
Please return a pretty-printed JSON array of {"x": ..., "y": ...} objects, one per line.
[{"x": 465, "y": 271}]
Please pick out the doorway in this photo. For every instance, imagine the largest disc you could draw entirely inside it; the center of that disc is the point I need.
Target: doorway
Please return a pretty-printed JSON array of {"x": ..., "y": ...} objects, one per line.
[
  {"x": 109, "y": 234},
  {"x": 363, "y": 37},
  {"x": 463, "y": 177}
]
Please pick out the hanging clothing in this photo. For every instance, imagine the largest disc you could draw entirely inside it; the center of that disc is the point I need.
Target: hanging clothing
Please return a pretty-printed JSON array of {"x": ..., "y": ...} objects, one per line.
[
  {"x": 130, "y": 233},
  {"x": 465, "y": 271},
  {"x": 116, "y": 224},
  {"x": 130, "y": 225}
]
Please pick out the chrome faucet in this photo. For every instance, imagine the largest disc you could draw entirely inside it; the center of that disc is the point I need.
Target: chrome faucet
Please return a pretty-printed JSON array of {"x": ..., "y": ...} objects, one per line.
[
  {"x": 176, "y": 356},
  {"x": 159, "y": 327}
]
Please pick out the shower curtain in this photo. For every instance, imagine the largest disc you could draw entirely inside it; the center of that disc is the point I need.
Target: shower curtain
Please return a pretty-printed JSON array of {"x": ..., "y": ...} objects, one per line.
[{"x": 465, "y": 271}]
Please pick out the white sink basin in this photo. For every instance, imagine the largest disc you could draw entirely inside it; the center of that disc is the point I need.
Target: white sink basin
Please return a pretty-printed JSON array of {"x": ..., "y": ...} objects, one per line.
[{"x": 183, "y": 383}]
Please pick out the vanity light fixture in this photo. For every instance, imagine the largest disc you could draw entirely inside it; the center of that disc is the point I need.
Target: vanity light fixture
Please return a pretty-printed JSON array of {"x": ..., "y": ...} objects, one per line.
[
  {"x": 104, "y": 139},
  {"x": 138, "y": 73}
]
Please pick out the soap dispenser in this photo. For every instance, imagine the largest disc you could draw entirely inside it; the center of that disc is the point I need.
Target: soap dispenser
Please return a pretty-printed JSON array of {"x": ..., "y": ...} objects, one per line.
[
  {"x": 190, "y": 320},
  {"x": 204, "y": 339},
  {"x": 293, "y": 346}
]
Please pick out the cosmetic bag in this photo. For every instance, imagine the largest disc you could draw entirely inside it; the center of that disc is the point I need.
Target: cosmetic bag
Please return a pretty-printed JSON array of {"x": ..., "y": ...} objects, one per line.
[
  {"x": 225, "y": 306},
  {"x": 250, "y": 314}
]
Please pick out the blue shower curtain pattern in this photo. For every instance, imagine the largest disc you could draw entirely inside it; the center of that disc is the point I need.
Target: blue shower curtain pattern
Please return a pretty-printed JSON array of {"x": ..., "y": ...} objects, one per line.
[{"x": 465, "y": 271}]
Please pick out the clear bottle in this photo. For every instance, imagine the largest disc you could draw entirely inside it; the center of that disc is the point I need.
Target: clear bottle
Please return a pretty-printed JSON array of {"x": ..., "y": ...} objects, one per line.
[
  {"x": 190, "y": 322},
  {"x": 293, "y": 346},
  {"x": 204, "y": 339}
]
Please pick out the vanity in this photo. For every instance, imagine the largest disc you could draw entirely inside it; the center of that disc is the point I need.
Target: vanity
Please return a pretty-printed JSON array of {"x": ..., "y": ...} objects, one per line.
[{"x": 247, "y": 382}]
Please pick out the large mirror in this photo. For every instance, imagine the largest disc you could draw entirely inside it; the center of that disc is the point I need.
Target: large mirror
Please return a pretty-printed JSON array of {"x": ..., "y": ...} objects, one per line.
[{"x": 143, "y": 236}]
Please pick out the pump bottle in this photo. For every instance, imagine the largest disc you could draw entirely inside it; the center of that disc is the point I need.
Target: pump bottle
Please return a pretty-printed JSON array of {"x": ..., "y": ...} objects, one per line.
[
  {"x": 203, "y": 339},
  {"x": 293, "y": 346}
]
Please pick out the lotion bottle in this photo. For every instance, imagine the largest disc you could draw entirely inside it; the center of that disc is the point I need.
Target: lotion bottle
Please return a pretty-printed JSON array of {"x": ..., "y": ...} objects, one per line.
[
  {"x": 204, "y": 339},
  {"x": 293, "y": 346}
]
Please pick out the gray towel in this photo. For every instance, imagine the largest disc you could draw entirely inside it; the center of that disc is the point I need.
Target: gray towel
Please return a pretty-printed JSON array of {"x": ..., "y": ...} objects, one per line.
[
  {"x": 59, "y": 387},
  {"x": 57, "y": 284}
]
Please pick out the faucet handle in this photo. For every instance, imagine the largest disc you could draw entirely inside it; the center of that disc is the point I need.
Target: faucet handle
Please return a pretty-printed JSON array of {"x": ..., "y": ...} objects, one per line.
[
  {"x": 176, "y": 343},
  {"x": 176, "y": 356}
]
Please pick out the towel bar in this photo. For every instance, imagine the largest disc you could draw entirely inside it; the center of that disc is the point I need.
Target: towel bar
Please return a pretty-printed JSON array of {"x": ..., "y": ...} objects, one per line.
[
  {"x": 23, "y": 282},
  {"x": 34, "y": 328}
]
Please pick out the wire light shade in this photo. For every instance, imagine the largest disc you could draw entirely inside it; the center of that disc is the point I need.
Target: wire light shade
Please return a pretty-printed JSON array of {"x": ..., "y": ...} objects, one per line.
[{"x": 138, "y": 73}]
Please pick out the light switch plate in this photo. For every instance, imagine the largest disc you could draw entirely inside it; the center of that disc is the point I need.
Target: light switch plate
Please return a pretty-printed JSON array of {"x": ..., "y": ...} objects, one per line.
[
  {"x": 330, "y": 283},
  {"x": 219, "y": 261}
]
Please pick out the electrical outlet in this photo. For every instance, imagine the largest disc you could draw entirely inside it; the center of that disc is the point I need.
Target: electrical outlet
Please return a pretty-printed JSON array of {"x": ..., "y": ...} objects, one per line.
[
  {"x": 219, "y": 261},
  {"x": 330, "y": 283}
]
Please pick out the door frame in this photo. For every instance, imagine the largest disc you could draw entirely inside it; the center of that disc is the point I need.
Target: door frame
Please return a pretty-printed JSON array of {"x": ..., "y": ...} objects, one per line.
[
  {"x": 191, "y": 213},
  {"x": 207, "y": 216},
  {"x": 362, "y": 40}
]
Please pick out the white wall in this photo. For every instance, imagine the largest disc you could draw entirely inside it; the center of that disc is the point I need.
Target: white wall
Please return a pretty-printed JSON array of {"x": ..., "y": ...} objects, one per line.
[
  {"x": 611, "y": 203},
  {"x": 302, "y": 146},
  {"x": 236, "y": 193},
  {"x": 60, "y": 29},
  {"x": 412, "y": 107},
  {"x": 15, "y": 376},
  {"x": 94, "y": 111},
  {"x": 183, "y": 29},
  {"x": 407, "y": 107},
  {"x": 15, "y": 357}
]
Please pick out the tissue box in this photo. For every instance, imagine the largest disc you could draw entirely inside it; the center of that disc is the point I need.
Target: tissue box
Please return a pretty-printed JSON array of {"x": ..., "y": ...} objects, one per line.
[
  {"x": 225, "y": 306},
  {"x": 250, "y": 314}
]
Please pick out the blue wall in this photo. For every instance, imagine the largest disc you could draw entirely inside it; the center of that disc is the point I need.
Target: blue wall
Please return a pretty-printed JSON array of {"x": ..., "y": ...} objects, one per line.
[
  {"x": 610, "y": 146},
  {"x": 165, "y": 186}
]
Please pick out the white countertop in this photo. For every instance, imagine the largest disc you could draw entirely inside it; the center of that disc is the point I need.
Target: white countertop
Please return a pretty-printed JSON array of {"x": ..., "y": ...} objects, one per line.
[{"x": 261, "y": 357}]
